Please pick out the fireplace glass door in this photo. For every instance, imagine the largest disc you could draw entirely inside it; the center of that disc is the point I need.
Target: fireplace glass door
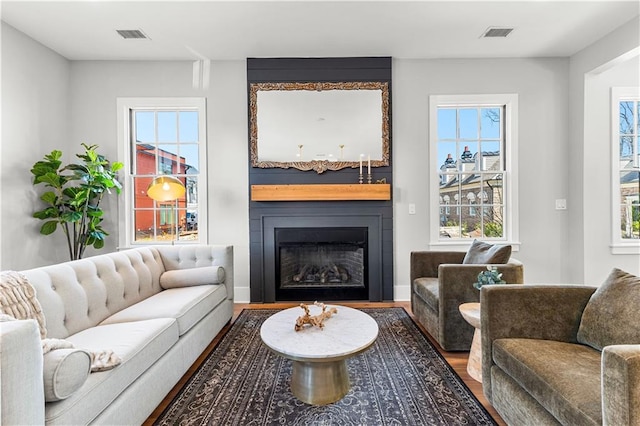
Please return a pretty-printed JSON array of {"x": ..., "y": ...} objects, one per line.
[{"x": 321, "y": 264}]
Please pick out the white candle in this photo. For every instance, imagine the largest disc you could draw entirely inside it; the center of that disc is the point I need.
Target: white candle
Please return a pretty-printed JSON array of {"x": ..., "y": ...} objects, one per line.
[
  {"x": 369, "y": 164},
  {"x": 361, "y": 165}
]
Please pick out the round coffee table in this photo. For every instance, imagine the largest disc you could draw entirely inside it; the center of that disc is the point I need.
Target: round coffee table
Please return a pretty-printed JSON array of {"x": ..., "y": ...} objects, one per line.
[{"x": 319, "y": 356}]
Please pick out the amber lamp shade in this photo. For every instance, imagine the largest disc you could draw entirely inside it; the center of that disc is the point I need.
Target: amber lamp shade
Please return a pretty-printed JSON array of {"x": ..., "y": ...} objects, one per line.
[{"x": 165, "y": 188}]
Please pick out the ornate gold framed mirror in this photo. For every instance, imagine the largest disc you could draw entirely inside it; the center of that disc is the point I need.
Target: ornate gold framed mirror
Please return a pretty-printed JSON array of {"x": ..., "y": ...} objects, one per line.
[{"x": 319, "y": 126}]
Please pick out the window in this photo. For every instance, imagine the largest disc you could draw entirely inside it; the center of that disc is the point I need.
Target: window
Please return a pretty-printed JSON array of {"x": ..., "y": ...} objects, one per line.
[
  {"x": 162, "y": 136},
  {"x": 625, "y": 119},
  {"x": 472, "y": 148}
]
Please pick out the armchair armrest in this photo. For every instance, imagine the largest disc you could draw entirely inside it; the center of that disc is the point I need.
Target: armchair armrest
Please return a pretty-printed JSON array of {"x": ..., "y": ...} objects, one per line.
[
  {"x": 22, "y": 386},
  {"x": 621, "y": 385},
  {"x": 455, "y": 287},
  {"x": 550, "y": 312},
  {"x": 425, "y": 263}
]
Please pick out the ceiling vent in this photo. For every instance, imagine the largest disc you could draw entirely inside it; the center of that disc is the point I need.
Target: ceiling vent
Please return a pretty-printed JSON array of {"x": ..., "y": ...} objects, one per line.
[
  {"x": 132, "y": 34},
  {"x": 496, "y": 32}
]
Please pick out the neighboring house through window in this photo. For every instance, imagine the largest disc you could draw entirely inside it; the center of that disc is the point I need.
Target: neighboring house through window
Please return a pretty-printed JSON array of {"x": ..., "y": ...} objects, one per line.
[
  {"x": 625, "y": 154},
  {"x": 473, "y": 148},
  {"x": 162, "y": 136}
]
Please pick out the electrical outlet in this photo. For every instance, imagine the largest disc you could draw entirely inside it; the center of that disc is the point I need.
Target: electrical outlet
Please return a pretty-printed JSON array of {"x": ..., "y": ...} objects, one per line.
[
  {"x": 561, "y": 204},
  {"x": 412, "y": 209}
]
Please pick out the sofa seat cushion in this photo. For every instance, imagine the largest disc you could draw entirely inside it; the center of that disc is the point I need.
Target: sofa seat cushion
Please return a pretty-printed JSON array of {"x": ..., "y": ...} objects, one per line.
[
  {"x": 187, "y": 305},
  {"x": 427, "y": 289},
  {"x": 139, "y": 344},
  {"x": 563, "y": 377}
]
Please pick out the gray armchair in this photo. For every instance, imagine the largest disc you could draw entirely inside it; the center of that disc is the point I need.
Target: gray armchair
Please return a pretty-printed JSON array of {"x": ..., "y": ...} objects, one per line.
[{"x": 440, "y": 283}]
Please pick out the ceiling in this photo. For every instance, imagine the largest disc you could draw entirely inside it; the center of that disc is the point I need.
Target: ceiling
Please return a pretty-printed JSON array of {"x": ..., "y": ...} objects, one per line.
[{"x": 180, "y": 30}]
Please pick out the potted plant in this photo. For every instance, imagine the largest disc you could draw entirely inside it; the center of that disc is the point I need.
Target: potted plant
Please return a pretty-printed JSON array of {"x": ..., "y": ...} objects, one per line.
[
  {"x": 73, "y": 200},
  {"x": 490, "y": 276}
]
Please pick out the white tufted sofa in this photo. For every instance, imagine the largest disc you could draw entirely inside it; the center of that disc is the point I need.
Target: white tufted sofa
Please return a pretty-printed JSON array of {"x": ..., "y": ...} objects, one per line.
[{"x": 115, "y": 301}]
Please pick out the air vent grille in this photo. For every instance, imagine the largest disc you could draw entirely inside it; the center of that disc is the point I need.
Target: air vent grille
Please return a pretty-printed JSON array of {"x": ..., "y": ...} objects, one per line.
[
  {"x": 132, "y": 34},
  {"x": 497, "y": 32}
]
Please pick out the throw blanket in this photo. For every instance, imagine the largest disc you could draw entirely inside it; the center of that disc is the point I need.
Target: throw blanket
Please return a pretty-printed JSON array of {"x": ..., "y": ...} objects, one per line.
[{"x": 18, "y": 300}]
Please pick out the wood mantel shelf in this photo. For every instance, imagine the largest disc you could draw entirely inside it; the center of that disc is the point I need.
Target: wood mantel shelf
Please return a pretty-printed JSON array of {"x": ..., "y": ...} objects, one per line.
[{"x": 318, "y": 192}]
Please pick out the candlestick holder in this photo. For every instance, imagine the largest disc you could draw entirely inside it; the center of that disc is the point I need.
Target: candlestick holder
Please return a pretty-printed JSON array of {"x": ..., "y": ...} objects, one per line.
[
  {"x": 369, "y": 178},
  {"x": 360, "y": 178}
]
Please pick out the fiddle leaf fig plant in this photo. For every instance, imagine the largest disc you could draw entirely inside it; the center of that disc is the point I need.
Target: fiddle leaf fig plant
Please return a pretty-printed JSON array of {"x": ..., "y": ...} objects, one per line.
[{"x": 73, "y": 197}]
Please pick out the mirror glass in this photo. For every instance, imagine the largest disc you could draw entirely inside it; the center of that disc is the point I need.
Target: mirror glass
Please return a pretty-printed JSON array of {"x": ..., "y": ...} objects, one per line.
[{"x": 319, "y": 126}]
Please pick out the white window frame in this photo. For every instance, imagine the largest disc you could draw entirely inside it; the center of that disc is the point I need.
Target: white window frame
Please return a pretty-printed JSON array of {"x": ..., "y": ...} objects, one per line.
[
  {"x": 618, "y": 244},
  {"x": 125, "y": 106},
  {"x": 511, "y": 222}
]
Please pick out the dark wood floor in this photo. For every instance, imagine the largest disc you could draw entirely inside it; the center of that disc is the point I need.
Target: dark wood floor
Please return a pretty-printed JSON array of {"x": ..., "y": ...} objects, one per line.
[{"x": 457, "y": 360}]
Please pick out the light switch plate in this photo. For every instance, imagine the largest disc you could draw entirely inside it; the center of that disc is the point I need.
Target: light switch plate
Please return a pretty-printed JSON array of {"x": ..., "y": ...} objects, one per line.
[
  {"x": 561, "y": 204},
  {"x": 412, "y": 209}
]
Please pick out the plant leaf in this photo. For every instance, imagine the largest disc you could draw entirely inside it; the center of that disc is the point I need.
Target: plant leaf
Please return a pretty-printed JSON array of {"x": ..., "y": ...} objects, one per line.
[
  {"x": 49, "y": 197},
  {"x": 48, "y": 227},
  {"x": 54, "y": 156},
  {"x": 72, "y": 216},
  {"x": 47, "y": 213},
  {"x": 50, "y": 178}
]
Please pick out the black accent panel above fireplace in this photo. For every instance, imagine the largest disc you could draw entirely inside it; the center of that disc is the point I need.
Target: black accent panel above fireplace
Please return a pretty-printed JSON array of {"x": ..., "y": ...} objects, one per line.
[{"x": 376, "y": 216}]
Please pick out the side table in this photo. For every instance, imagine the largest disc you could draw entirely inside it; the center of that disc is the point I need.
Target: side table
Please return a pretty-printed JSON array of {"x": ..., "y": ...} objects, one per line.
[{"x": 471, "y": 313}]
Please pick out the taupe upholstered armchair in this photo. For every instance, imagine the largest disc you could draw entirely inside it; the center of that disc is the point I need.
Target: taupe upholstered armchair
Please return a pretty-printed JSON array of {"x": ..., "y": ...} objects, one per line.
[
  {"x": 563, "y": 353},
  {"x": 440, "y": 283}
]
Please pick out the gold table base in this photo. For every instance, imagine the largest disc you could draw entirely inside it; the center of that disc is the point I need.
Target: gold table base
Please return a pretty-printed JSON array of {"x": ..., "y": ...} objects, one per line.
[{"x": 320, "y": 383}]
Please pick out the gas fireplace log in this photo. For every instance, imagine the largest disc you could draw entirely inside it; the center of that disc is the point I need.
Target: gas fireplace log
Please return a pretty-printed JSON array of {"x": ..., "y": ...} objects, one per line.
[
  {"x": 344, "y": 275},
  {"x": 302, "y": 274},
  {"x": 330, "y": 273}
]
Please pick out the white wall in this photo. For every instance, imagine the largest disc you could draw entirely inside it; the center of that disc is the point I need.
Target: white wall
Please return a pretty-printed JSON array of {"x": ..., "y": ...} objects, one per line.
[
  {"x": 589, "y": 162},
  {"x": 35, "y": 118},
  {"x": 95, "y": 86},
  {"x": 543, "y": 114},
  {"x": 50, "y": 103},
  {"x": 597, "y": 182}
]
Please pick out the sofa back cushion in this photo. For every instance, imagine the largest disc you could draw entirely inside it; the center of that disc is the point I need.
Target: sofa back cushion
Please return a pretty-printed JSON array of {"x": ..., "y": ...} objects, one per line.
[
  {"x": 480, "y": 253},
  {"x": 80, "y": 294},
  {"x": 612, "y": 313}
]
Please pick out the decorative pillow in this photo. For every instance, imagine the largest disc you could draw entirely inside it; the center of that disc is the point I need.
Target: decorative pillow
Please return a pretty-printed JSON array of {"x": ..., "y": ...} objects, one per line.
[
  {"x": 65, "y": 371},
  {"x": 481, "y": 252},
  {"x": 612, "y": 313},
  {"x": 192, "y": 276}
]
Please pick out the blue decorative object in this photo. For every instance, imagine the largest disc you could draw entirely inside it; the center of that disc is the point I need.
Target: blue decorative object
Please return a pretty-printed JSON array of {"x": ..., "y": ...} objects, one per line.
[{"x": 490, "y": 276}]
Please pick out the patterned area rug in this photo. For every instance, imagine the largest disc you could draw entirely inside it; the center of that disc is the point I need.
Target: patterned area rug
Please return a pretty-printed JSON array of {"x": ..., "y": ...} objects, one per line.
[{"x": 400, "y": 380}]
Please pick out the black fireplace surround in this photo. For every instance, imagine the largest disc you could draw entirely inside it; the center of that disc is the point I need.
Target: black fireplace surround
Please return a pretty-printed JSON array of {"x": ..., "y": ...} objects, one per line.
[{"x": 359, "y": 233}]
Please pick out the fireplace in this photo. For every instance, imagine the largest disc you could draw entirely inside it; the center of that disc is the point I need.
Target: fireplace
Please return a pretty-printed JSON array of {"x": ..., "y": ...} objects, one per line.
[
  {"x": 321, "y": 263},
  {"x": 323, "y": 256}
]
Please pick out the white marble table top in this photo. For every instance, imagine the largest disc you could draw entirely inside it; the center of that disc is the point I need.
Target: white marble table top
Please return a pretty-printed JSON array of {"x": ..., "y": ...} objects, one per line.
[{"x": 346, "y": 333}]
